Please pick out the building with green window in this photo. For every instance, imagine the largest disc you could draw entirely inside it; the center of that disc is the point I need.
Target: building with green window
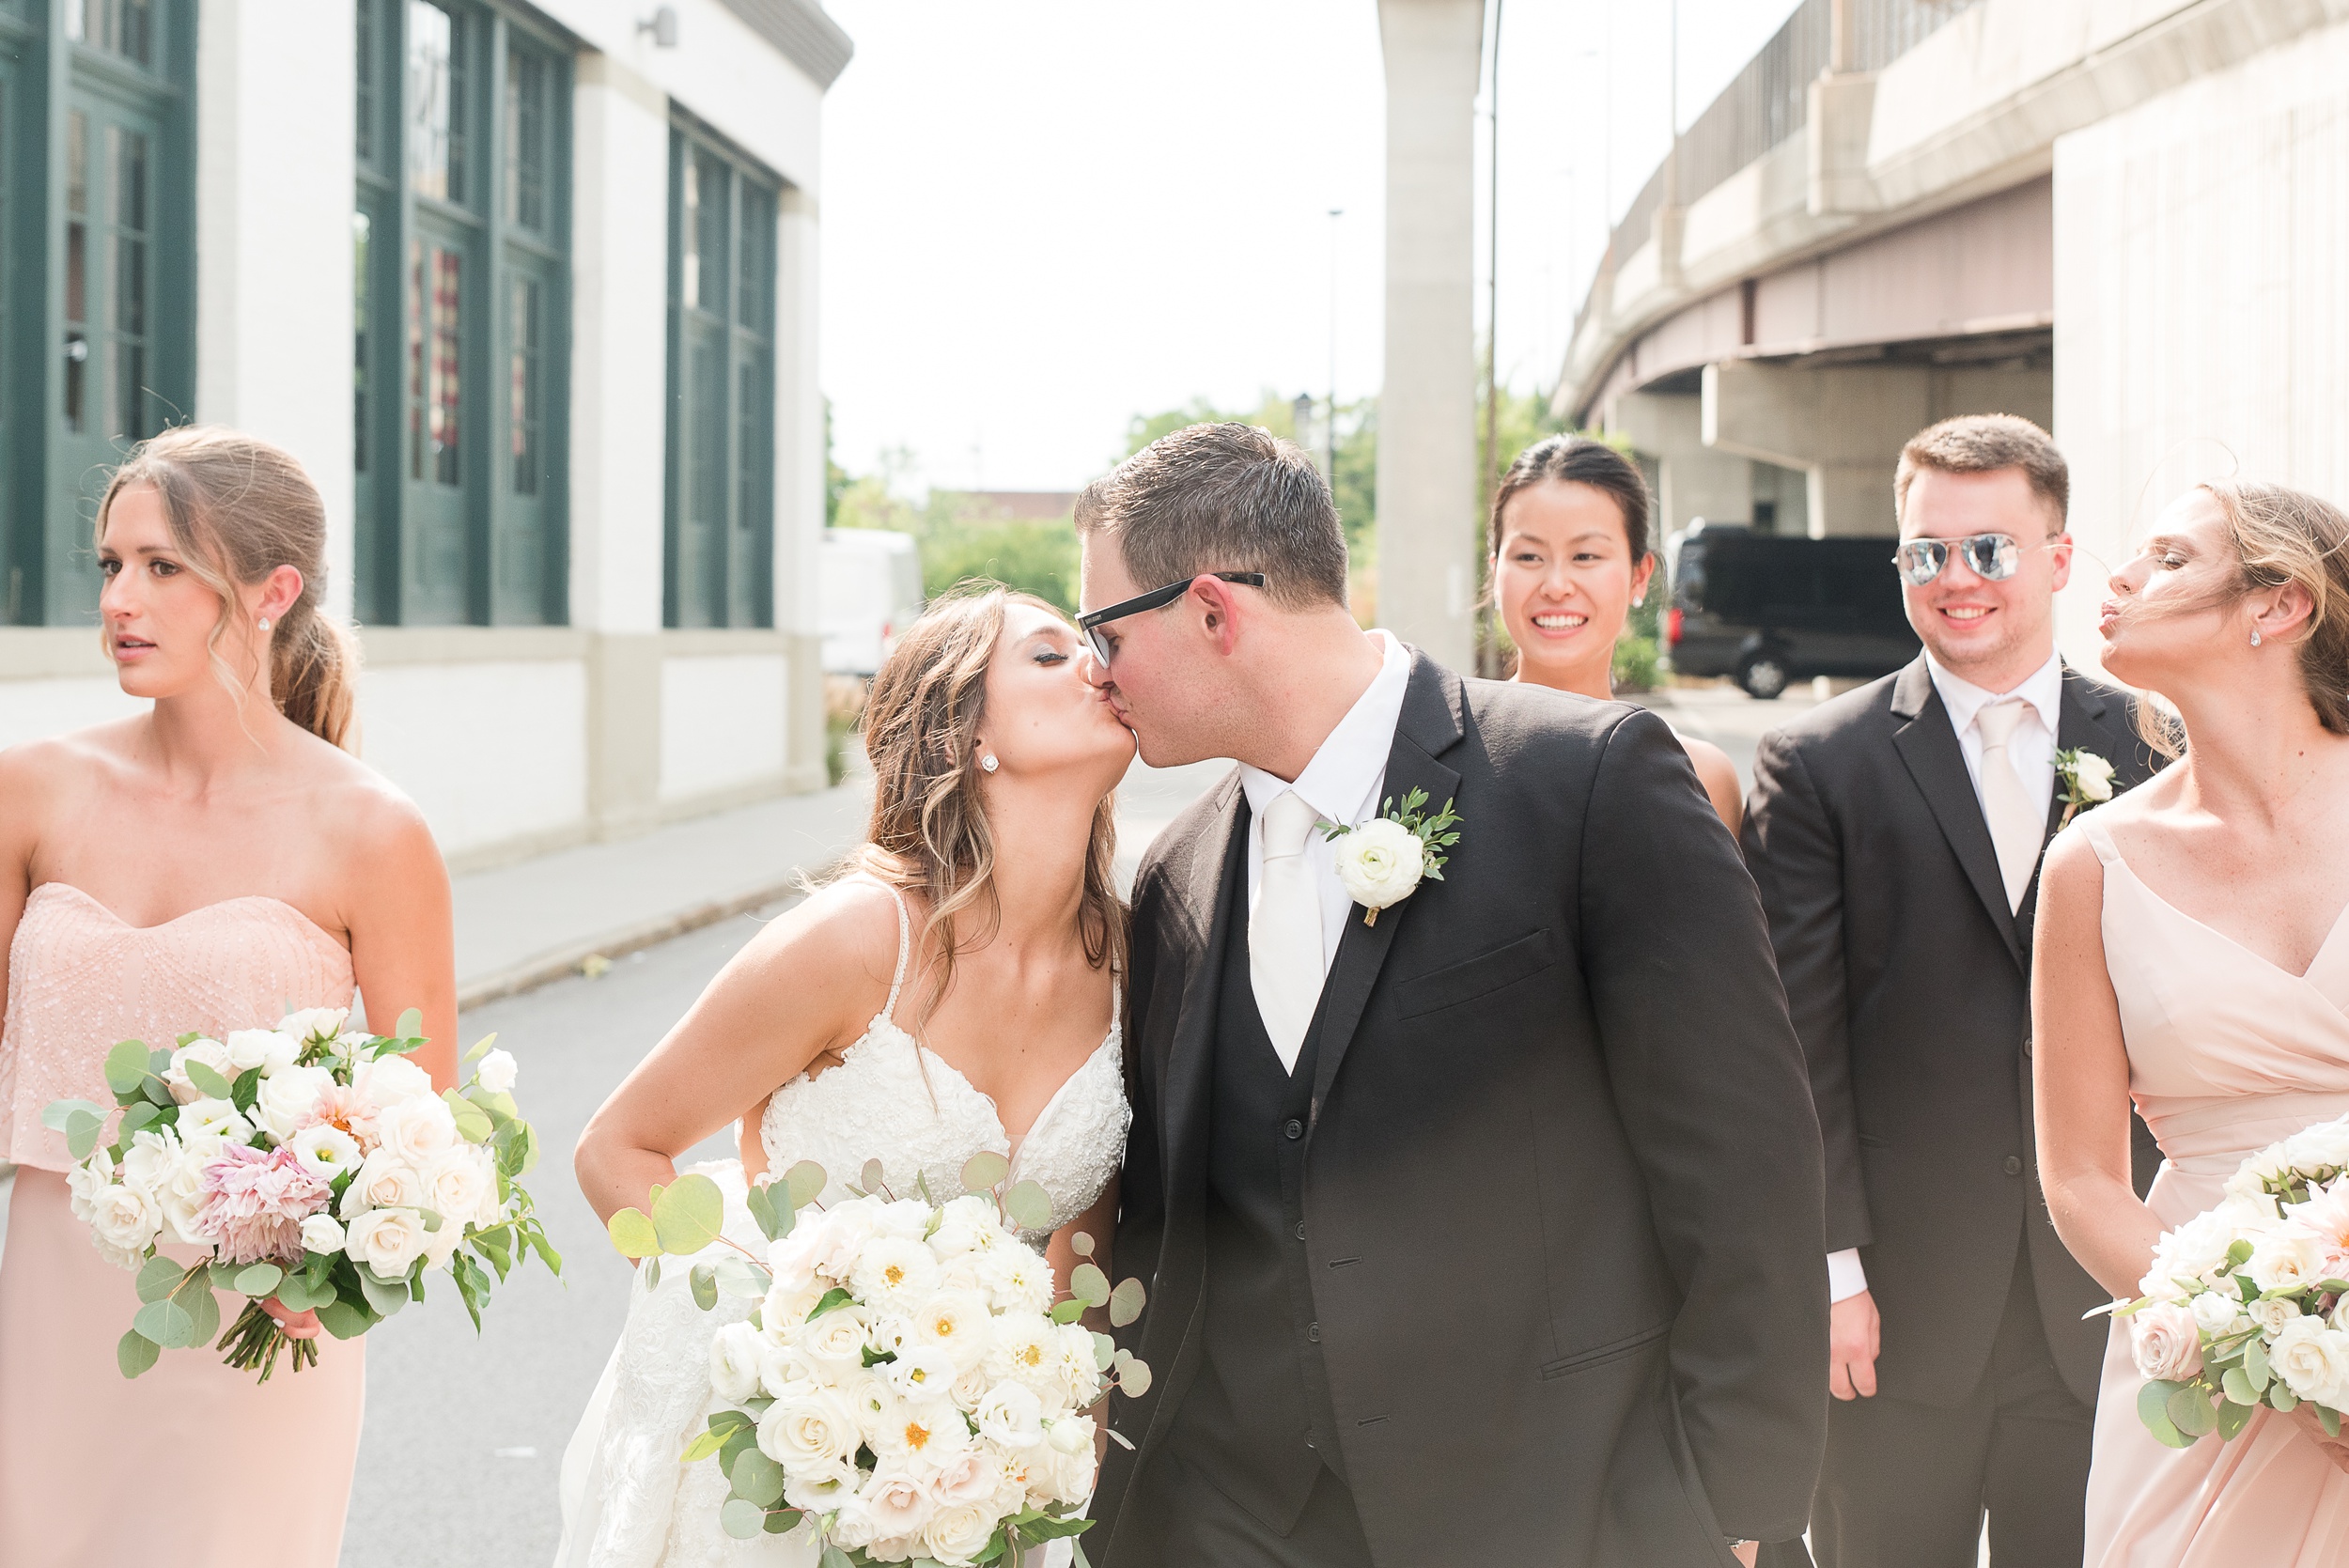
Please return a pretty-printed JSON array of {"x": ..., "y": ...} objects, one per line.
[{"x": 530, "y": 290}]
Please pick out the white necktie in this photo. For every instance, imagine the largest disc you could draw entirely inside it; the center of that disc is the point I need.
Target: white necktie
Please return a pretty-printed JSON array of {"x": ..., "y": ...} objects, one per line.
[
  {"x": 2017, "y": 827},
  {"x": 1285, "y": 930}
]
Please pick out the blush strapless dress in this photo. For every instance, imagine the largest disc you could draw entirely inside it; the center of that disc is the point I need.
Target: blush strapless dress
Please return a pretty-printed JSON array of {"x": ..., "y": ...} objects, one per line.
[
  {"x": 192, "y": 1464},
  {"x": 2228, "y": 1053}
]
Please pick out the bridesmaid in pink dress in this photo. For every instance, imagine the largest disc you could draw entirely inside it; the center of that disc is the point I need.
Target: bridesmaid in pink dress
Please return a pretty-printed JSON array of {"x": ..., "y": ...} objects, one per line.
[
  {"x": 206, "y": 866},
  {"x": 2193, "y": 953}
]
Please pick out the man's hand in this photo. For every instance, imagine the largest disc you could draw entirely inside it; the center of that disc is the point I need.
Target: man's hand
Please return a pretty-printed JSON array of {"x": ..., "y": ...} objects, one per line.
[
  {"x": 1747, "y": 1553},
  {"x": 1853, "y": 1335}
]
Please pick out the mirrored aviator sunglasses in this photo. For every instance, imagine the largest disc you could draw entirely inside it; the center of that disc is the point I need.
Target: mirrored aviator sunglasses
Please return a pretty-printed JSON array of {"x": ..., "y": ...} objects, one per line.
[{"x": 1992, "y": 557}]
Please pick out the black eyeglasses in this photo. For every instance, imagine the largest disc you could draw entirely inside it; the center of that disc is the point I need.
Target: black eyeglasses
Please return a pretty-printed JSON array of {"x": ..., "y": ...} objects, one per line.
[
  {"x": 1992, "y": 557},
  {"x": 1151, "y": 601}
]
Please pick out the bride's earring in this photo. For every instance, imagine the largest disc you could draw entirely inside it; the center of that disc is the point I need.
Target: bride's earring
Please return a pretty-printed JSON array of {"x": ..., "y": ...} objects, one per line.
[
  {"x": 2255, "y": 637},
  {"x": 1638, "y": 599},
  {"x": 987, "y": 763}
]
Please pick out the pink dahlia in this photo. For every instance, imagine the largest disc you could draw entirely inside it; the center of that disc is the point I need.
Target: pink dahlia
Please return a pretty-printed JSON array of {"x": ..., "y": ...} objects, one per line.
[
  {"x": 339, "y": 1105},
  {"x": 255, "y": 1201}
]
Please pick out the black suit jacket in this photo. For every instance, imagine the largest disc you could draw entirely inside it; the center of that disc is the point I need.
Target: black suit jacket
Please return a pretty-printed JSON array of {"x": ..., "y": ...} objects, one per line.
[
  {"x": 1909, "y": 982},
  {"x": 1562, "y": 1178}
]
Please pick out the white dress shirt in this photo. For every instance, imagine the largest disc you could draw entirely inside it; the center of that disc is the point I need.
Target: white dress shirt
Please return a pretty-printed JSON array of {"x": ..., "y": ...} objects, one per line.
[
  {"x": 2033, "y": 752},
  {"x": 1341, "y": 782}
]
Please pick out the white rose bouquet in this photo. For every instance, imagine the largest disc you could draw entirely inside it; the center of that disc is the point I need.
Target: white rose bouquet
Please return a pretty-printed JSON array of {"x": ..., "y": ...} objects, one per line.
[
  {"x": 906, "y": 1385},
  {"x": 318, "y": 1166},
  {"x": 2248, "y": 1304}
]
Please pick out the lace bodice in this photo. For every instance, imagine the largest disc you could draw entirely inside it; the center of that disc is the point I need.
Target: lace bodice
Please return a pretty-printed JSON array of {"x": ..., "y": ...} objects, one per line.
[
  {"x": 80, "y": 978},
  {"x": 895, "y": 1100},
  {"x": 627, "y": 1502}
]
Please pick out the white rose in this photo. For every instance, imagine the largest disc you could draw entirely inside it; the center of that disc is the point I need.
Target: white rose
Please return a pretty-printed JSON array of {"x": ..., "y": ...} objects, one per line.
[
  {"x": 416, "y": 1129},
  {"x": 2093, "y": 775},
  {"x": 810, "y": 1433},
  {"x": 210, "y": 1118},
  {"x": 971, "y": 1475},
  {"x": 326, "y": 1151},
  {"x": 147, "y": 1163},
  {"x": 212, "y": 1053},
  {"x": 2272, "y": 1314},
  {"x": 783, "y": 1370},
  {"x": 2166, "y": 1341},
  {"x": 958, "y": 1532},
  {"x": 314, "y": 1023},
  {"x": 1071, "y": 1435},
  {"x": 872, "y": 1400},
  {"x": 839, "y": 1238},
  {"x": 734, "y": 1357},
  {"x": 288, "y": 1099},
  {"x": 972, "y": 1383},
  {"x": 835, "y": 1340},
  {"x": 1069, "y": 1476},
  {"x": 264, "y": 1048},
  {"x": 896, "y": 1503},
  {"x": 2312, "y": 1358},
  {"x": 968, "y": 1224},
  {"x": 892, "y": 1271},
  {"x": 389, "y": 1240},
  {"x": 2324, "y": 1144},
  {"x": 124, "y": 1220},
  {"x": 457, "y": 1182},
  {"x": 2290, "y": 1257},
  {"x": 497, "y": 1071},
  {"x": 1380, "y": 862},
  {"x": 787, "y": 1307},
  {"x": 182, "y": 1192},
  {"x": 906, "y": 1218},
  {"x": 384, "y": 1181},
  {"x": 2215, "y": 1313},
  {"x": 440, "y": 1244},
  {"x": 957, "y": 1323},
  {"x": 320, "y": 1233},
  {"x": 387, "y": 1080},
  {"x": 1011, "y": 1415}
]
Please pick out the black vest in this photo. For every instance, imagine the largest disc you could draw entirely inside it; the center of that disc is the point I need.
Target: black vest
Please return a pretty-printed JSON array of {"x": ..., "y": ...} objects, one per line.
[{"x": 1257, "y": 1421}]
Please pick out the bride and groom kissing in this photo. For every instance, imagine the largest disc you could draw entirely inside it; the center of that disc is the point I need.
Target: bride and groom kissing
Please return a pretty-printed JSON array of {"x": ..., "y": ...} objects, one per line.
[{"x": 1484, "y": 1226}]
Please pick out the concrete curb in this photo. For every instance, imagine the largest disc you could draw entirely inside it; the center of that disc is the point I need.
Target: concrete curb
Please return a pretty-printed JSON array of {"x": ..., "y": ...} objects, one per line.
[{"x": 546, "y": 968}]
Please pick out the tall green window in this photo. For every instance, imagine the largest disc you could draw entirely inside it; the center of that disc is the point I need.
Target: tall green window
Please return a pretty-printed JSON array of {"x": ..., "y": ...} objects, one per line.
[
  {"x": 96, "y": 170},
  {"x": 460, "y": 249},
  {"x": 721, "y": 386}
]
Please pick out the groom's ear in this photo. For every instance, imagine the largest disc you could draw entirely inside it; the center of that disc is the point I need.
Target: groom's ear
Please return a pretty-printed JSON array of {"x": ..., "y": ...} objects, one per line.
[{"x": 1214, "y": 608}]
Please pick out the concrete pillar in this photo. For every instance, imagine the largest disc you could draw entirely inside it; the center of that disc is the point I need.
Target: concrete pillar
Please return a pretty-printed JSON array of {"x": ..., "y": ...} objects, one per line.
[
  {"x": 798, "y": 491},
  {"x": 1427, "y": 482},
  {"x": 273, "y": 295},
  {"x": 619, "y": 380},
  {"x": 1697, "y": 480}
]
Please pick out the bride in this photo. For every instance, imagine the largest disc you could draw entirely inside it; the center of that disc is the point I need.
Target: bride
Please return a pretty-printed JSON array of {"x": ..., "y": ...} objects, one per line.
[
  {"x": 2190, "y": 955},
  {"x": 955, "y": 992}
]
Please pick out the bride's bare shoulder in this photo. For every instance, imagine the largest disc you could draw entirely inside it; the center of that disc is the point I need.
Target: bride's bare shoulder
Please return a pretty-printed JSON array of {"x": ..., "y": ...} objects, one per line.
[{"x": 840, "y": 939}]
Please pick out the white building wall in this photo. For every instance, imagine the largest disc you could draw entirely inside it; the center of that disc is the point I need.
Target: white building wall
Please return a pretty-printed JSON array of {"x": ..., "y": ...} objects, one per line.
[
  {"x": 2201, "y": 252},
  {"x": 722, "y": 725},
  {"x": 493, "y": 753}
]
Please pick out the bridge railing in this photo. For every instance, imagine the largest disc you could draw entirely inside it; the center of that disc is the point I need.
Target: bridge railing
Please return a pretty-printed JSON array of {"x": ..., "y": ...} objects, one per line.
[{"x": 1770, "y": 100}]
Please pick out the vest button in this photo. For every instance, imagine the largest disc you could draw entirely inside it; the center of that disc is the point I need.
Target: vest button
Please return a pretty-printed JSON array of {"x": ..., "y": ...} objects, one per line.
[
  {"x": 1292, "y": 1129},
  {"x": 1313, "y": 1332},
  {"x": 2013, "y": 1165},
  {"x": 1301, "y": 1229}
]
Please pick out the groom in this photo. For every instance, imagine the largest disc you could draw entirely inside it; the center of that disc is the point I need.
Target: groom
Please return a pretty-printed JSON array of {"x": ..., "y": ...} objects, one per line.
[{"x": 1490, "y": 1231}]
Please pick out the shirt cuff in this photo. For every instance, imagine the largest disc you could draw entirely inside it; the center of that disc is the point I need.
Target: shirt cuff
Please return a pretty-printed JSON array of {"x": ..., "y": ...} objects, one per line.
[{"x": 1845, "y": 1278}]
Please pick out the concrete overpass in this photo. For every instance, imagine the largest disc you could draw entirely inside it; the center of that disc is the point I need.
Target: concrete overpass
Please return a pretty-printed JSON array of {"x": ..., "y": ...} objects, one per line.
[{"x": 2128, "y": 219}]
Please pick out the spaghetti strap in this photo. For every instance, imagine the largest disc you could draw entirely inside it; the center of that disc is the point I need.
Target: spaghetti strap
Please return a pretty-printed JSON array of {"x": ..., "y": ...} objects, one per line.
[
  {"x": 904, "y": 944},
  {"x": 2100, "y": 840}
]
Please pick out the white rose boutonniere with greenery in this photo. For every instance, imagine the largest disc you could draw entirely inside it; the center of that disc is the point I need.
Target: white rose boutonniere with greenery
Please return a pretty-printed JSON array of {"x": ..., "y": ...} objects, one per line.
[
  {"x": 2087, "y": 780},
  {"x": 1383, "y": 861}
]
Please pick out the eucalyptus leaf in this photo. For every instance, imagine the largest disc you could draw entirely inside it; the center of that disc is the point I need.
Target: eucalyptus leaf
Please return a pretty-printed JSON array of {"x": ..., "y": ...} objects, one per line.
[
  {"x": 2238, "y": 1389},
  {"x": 410, "y": 1025},
  {"x": 206, "y": 1078},
  {"x": 2190, "y": 1411},
  {"x": 761, "y": 1203},
  {"x": 135, "y": 1353},
  {"x": 345, "y": 1319},
  {"x": 742, "y": 1519},
  {"x": 203, "y": 1311},
  {"x": 482, "y": 1048},
  {"x": 984, "y": 1172},
  {"x": 2329, "y": 1419},
  {"x": 54, "y": 1115},
  {"x": 261, "y": 1278},
  {"x": 780, "y": 1521},
  {"x": 126, "y": 1066},
  {"x": 873, "y": 1177},
  {"x": 703, "y": 1281},
  {"x": 701, "y": 1447},
  {"x": 2255, "y": 1365},
  {"x": 1080, "y": 1244},
  {"x": 1126, "y": 1302},
  {"x": 689, "y": 1214},
  {"x": 2233, "y": 1418},
  {"x": 158, "y": 1278},
  {"x": 834, "y": 1558},
  {"x": 1029, "y": 1205},
  {"x": 384, "y": 1300},
  {"x": 1068, "y": 1311},
  {"x": 806, "y": 1181},
  {"x": 167, "y": 1323},
  {"x": 473, "y": 1123},
  {"x": 1134, "y": 1377},
  {"x": 652, "y": 1273},
  {"x": 756, "y": 1479},
  {"x": 738, "y": 1276},
  {"x": 1104, "y": 1352},
  {"x": 136, "y": 1120},
  {"x": 2280, "y": 1398},
  {"x": 81, "y": 1134},
  {"x": 1089, "y": 1285}
]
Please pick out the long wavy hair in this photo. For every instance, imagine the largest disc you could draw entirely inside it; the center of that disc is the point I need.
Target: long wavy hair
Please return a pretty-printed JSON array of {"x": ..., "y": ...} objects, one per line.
[{"x": 929, "y": 833}]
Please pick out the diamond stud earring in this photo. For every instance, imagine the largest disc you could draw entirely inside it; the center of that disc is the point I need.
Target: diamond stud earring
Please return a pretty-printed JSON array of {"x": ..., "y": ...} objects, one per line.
[
  {"x": 265, "y": 624},
  {"x": 2255, "y": 637},
  {"x": 987, "y": 763}
]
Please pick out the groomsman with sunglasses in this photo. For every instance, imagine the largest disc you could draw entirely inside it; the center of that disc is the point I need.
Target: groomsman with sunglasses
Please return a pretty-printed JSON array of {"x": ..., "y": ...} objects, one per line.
[{"x": 1896, "y": 834}]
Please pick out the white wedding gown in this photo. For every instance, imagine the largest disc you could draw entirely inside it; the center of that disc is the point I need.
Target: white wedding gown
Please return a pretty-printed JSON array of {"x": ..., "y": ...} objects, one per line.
[{"x": 628, "y": 1502}]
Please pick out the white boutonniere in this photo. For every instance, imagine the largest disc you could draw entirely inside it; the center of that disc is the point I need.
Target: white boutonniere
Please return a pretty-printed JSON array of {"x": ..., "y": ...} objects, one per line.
[
  {"x": 1382, "y": 862},
  {"x": 2086, "y": 782}
]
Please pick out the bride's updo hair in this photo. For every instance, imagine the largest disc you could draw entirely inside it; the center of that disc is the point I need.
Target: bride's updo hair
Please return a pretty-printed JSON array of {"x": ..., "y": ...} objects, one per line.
[
  {"x": 2281, "y": 536},
  {"x": 929, "y": 833},
  {"x": 240, "y": 508}
]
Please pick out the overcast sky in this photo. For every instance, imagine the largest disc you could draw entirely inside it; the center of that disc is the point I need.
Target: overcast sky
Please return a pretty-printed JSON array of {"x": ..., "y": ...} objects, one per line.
[{"x": 1041, "y": 217}]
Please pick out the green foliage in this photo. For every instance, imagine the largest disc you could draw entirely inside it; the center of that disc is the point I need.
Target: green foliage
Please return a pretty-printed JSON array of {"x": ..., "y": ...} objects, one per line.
[
  {"x": 961, "y": 539},
  {"x": 1635, "y": 662},
  {"x": 1354, "y": 486}
]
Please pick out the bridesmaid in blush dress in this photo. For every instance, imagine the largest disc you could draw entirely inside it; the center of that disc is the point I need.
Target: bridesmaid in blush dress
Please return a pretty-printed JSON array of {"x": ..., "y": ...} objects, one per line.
[
  {"x": 2193, "y": 953},
  {"x": 206, "y": 865}
]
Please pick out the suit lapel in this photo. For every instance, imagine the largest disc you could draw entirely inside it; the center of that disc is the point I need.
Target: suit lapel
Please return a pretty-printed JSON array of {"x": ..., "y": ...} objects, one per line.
[
  {"x": 1218, "y": 859},
  {"x": 1429, "y": 725},
  {"x": 1929, "y": 746},
  {"x": 2080, "y": 726}
]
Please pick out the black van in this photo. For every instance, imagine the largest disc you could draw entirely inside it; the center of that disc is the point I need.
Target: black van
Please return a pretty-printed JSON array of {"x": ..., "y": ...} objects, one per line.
[{"x": 1769, "y": 607}]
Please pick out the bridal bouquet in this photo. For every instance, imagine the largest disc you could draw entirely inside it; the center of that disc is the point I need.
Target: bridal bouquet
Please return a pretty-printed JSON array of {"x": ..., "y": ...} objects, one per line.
[
  {"x": 2248, "y": 1303},
  {"x": 907, "y": 1382},
  {"x": 318, "y": 1166}
]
